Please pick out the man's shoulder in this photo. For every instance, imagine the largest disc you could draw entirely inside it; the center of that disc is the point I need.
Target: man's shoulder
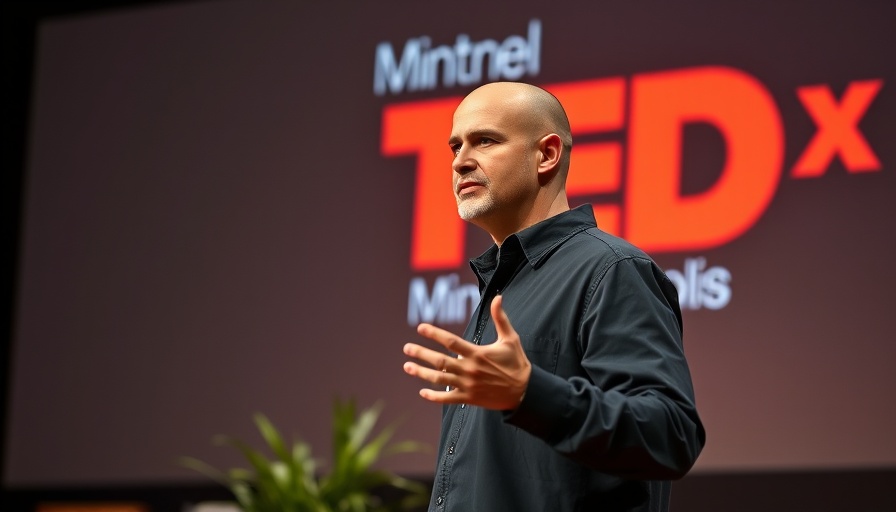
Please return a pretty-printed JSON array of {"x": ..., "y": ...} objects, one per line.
[
  {"x": 596, "y": 243},
  {"x": 573, "y": 239}
]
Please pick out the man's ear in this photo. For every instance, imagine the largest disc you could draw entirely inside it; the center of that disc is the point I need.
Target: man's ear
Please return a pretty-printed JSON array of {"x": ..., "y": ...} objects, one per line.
[{"x": 550, "y": 149}]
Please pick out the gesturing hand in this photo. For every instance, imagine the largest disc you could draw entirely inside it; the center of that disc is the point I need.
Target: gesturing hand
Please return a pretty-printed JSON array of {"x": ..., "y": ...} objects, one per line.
[{"x": 491, "y": 376}]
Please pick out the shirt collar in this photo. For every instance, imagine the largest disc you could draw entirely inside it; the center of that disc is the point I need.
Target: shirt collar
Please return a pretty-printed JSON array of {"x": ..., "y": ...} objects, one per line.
[{"x": 538, "y": 241}]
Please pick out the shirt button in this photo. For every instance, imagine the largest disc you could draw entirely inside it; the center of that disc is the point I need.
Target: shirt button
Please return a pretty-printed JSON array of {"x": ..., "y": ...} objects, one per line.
[
  {"x": 451, "y": 450},
  {"x": 439, "y": 500},
  {"x": 463, "y": 405}
]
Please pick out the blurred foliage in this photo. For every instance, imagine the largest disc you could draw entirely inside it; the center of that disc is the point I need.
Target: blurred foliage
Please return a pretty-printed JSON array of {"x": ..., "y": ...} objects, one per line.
[{"x": 289, "y": 481}]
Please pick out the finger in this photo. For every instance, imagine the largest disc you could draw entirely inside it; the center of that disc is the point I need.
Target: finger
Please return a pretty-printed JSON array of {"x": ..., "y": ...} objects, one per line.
[
  {"x": 438, "y": 360},
  {"x": 502, "y": 321},
  {"x": 437, "y": 377},
  {"x": 455, "y": 396},
  {"x": 447, "y": 339}
]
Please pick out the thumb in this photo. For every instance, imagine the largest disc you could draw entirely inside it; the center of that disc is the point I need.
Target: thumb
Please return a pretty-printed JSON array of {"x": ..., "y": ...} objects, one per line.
[{"x": 502, "y": 321}]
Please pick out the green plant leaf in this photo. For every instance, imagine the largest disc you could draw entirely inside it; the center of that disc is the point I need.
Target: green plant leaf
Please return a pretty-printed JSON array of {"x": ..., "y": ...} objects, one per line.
[
  {"x": 206, "y": 469},
  {"x": 272, "y": 437},
  {"x": 362, "y": 428},
  {"x": 288, "y": 482}
]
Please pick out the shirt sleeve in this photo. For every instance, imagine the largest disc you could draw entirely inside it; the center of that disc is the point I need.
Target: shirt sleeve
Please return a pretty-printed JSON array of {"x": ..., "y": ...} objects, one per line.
[{"x": 634, "y": 414}]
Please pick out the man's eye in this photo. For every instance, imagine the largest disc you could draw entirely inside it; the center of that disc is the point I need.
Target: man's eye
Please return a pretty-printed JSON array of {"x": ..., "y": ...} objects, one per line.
[
  {"x": 485, "y": 141},
  {"x": 455, "y": 149}
]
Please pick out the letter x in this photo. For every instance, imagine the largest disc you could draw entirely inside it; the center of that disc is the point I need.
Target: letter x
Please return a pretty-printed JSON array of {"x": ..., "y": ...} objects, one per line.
[{"x": 838, "y": 131}]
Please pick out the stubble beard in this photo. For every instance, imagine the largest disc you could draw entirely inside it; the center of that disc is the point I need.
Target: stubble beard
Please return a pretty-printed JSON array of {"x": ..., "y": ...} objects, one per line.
[{"x": 470, "y": 208}]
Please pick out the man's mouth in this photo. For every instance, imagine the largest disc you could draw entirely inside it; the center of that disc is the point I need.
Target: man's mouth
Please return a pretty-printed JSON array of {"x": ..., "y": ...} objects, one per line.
[{"x": 467, "y": 187}]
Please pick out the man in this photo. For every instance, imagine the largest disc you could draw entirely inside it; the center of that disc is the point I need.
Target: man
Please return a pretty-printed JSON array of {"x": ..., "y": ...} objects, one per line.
[{"x": 570, "y": 390}]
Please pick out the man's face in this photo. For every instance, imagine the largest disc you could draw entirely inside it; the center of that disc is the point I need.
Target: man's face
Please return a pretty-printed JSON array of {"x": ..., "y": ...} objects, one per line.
[{"x": 495, "y": 169}]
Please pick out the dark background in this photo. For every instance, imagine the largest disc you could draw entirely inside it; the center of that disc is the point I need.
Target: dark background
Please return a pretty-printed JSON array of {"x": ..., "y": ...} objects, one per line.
[{"x": 793, "y": 379}]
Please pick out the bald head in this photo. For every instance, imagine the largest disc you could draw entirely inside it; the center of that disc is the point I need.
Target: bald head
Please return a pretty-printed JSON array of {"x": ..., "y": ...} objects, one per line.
[{"x": 539, "y": 111}]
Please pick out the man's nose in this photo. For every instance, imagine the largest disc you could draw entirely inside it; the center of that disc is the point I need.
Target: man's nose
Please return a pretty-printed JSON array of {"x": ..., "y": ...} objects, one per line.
[{"x": 463, "y": 162}]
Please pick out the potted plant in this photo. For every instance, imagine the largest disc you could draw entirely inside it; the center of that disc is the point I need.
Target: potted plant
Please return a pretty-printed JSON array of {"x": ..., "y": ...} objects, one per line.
[{"x": 288, "y": 481}]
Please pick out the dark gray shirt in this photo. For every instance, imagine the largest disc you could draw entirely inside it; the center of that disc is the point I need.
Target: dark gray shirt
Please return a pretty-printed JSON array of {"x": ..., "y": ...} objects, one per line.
[{"x": 608, "y": 416}]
